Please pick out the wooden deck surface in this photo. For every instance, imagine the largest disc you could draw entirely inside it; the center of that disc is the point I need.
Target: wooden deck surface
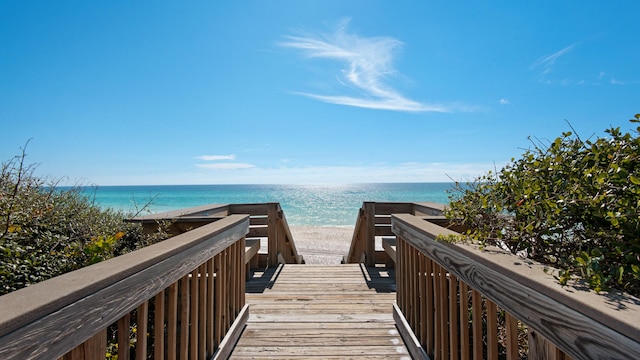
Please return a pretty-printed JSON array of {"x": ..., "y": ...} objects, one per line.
[{"x": 323, "y": 312}]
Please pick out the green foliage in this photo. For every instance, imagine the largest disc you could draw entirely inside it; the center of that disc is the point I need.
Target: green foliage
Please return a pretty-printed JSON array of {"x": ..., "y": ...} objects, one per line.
[
  {"x": 45, "y": 232},
  {"x": 572, "y": 204}
]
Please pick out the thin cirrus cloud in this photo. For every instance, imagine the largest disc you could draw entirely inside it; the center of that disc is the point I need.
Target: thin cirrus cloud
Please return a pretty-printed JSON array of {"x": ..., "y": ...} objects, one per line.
[
  {"x": 221, "y": 165},
  {"x": 368, "y": 65},
  {"x": 546, "y": 63},
  {"x": 226, "y": 166}
]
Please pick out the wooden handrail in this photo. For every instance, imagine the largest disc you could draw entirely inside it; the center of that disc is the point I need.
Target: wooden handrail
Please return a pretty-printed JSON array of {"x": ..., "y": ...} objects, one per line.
[
  {"x": 267, "y": 221},
  {"x": 440, "y": 283},
  {"x": 50, "y": 319},
  {"x": 374, "y": 220}
]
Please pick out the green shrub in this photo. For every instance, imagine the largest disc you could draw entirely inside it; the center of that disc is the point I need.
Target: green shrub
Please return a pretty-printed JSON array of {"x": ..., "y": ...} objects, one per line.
[
  {"x": 45, "y": 232},
  {"x": 573, "y": 204}
]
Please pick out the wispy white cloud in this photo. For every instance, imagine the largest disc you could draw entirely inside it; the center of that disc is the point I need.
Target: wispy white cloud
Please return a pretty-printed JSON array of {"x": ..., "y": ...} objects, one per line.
[
  {"x": 546, "y": 62},
  {"x": 368, "y": 67},
  {"x": 222, "y": 165},
  {"x": 504, "y": 102},
  {"x": 215, "y": 157},
  {"x": 225, "y": 166}
]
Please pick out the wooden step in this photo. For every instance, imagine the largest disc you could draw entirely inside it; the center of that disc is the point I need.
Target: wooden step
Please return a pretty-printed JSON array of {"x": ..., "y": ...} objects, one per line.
[{"x": 321, "y": 311}]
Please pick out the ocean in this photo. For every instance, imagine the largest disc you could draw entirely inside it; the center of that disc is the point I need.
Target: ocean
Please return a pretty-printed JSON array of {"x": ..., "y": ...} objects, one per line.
[{"x": 303, "y": 205}]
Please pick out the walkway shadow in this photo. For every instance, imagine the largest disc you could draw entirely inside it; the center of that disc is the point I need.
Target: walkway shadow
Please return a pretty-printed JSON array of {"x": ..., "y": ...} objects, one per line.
[
  {"x": 263, "y": 279},
  {"x": 381, "y": 279}
]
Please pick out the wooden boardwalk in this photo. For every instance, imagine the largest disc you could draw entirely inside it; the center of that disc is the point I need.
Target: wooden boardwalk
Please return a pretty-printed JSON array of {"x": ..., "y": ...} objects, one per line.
[{"x": 323, "y": 312}]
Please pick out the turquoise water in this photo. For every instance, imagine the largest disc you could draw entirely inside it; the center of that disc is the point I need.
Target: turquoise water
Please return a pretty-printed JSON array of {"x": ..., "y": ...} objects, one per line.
[{"x": 315, "y": 205}]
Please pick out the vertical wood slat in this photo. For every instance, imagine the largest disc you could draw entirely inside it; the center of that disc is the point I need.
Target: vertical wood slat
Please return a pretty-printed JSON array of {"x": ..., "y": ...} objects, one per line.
[
  {"x": 453, "y": 317},
  {"x": 476, "y": 310},
  {"x": 210, "y": 307},
  {"x": 370, "y": 238},
  {"x": 183, "y": 350},
  {"x": 444, "y": 311},
  {"x": 202, "y": 311},
  {"x": 225, "y": 297},
  {"x": 218, "y": 293},
  {"x": 194, "y": 298},
  {"x": 123, "y": 337},
  {"x": 142, "y": 321},
  {"x": 411, "y": 312},
  {"x": 172, "y": 322},
  {"x": 430, "y": 309},
  {"x": 465, "y": 337},
  {"x": 540, "y": 348},
  {"x": 424, "y": 318},
  {"x": 400, "y": 277},
  {"x": 272, "y": 234},
  {"x": 159, "y": 318},
  {"x": 492, "y": 330},
  {"x": 243, "y": 270},
  {"x": 511, "y": 327},
  {"x": 93, "y": 349}
]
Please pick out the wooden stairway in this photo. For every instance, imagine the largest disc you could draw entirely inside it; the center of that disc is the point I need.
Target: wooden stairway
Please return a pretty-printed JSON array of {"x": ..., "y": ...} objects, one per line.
[{"x": 321, "y": 311}]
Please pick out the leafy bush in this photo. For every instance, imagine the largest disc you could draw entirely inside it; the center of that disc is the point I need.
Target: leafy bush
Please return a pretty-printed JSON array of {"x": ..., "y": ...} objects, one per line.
[
  {"x": 573, "y": 204},
  {"x": 45, "y": 232}
]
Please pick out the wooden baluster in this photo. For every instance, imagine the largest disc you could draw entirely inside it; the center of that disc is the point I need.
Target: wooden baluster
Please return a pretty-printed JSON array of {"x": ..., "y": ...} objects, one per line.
[
  {"x": 422, "y": 290},
  {"x": 454, "y": 341},
  {"x": 184, "y": 318},
  {"x": 511, "y": 327},
  {"x": 430, "y": 311},
  {"x": 218, "y": 303},
  {"x": 476, "y": 313},
  {"x": 465, "y": 337},
  {"x": 158, "y": 333},
  {"x": 210, "y": 308},
  {"x": 194, "y": 299},
  {"x": 123, "y": 337},
  {"x": 142, "y": 321},
  {"x": 202, "y": 311},
  {"x": 172, "y": 322},
  {"x": 492, "y": 330},
  {"x": 93, "y": 349}
]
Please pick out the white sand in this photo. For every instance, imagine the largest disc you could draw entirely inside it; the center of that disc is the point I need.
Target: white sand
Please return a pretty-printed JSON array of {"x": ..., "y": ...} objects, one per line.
[{"x": 322, "y": 244}]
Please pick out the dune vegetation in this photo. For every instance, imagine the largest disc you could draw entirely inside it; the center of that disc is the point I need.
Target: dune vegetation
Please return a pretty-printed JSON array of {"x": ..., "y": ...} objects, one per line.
[{"x": 571, "y": 203}]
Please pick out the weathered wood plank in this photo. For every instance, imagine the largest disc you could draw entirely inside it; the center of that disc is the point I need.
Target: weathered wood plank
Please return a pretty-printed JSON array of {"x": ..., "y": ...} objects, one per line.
[
  {"x": 85, "y": 301},
  {"x": 322, "y": 311},
  {"x": 586, "y": 326}
]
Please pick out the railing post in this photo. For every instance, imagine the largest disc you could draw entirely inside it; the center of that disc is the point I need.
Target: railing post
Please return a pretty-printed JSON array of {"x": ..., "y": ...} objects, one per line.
[
  {"x": 370, "y": 233},
  {"x": 272, "y": 233}
]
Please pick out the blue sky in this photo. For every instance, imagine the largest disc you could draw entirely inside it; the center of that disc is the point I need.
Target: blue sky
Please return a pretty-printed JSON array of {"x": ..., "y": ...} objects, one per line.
[{"x": 215, "y": 92}]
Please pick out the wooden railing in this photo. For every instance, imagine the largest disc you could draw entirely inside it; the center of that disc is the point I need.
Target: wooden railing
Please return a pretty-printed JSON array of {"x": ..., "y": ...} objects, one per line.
[
  {"x": 267, "y": 222},
  {"x": 181, "y": 298},
  {"x": 374, "y": 221},
  {"x": 458, "y": 302}
]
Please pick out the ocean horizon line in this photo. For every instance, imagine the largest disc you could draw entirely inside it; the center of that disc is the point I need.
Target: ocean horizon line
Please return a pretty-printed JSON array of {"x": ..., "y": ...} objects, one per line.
[{"x": 313, "y": 205}]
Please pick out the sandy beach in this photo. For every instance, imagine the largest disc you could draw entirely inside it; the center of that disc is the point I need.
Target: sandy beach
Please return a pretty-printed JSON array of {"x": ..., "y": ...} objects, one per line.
[{"x": 322, "y": 244}]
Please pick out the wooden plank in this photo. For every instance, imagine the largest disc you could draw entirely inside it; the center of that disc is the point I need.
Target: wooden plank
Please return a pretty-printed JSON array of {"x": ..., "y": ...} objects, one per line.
[
  {"x": 522, "y": 288},
  {"x": 172, "y": 322},
  {"x": 389, "y": 245},
  {"x": 272, "y": 233},
  {"x": 65, "y": 317},
  {"x": 159, "y": 325},
  {"x": 413, "y": 345},
  {"x": 476, "y": 313},
  {"x": 369, "y": 233},
  {"x": 230, "y": 340},
  {"x": 142, "y": 321},
  {"x": 319, "y": 310},
  {"x": 123, "y": 337},
  {"x": 511, "y": 328},
  {"x": 196, "y": 211}
]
